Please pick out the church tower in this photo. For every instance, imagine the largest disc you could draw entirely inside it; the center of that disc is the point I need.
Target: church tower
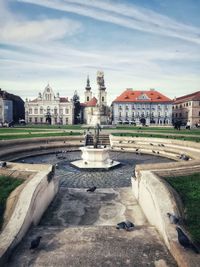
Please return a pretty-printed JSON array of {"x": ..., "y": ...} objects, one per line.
[
  {"x": 88, "y": 93},
  {"x": 102, "y": 94}
]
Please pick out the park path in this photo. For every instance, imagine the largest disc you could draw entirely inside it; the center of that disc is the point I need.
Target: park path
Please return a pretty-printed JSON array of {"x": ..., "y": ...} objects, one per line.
[{"x": 79, "y": 229}]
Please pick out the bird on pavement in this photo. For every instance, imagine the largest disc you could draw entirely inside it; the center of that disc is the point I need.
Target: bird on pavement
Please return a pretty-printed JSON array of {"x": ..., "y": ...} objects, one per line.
[
  {"x": 185, "y": 241},
  {"x": 173, "y": 218},
  {"x": 127, "y": 225},
  {"x": 91, "y": 189},
  {"x": 35, "y": 242}
]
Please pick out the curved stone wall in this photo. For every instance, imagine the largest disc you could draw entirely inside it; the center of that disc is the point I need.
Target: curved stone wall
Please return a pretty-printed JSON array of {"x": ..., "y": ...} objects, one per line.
[{"x": 31, "y": 203}]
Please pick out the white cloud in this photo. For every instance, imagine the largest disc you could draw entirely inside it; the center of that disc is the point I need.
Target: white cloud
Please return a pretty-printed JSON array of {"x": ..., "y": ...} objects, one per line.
[
  {"x": 129, "y": 16},
  {"x": 37, "y": 31}
]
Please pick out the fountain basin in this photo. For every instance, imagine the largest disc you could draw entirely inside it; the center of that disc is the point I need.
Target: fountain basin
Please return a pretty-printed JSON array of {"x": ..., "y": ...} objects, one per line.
[{"x": 95, "y": 158}]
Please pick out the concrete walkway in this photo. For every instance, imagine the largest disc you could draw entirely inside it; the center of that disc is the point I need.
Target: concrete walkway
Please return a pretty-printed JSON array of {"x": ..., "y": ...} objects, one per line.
[{"x": 79, "y": 229}]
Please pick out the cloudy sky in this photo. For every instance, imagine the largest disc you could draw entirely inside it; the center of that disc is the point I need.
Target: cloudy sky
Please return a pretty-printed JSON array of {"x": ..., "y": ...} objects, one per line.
[{"x": 139, "y": 44}]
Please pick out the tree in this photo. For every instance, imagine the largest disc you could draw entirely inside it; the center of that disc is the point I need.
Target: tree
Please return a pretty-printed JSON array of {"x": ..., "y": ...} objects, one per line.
[{"x": 77, "y": 108}]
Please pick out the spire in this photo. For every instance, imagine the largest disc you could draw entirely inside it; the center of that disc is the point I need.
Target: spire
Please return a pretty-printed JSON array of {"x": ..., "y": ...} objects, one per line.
[{"x": 88, "y": 84}]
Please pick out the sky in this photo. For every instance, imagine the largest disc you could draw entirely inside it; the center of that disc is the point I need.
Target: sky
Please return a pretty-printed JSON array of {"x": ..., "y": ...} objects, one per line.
[{"x": 139, "y": 44}]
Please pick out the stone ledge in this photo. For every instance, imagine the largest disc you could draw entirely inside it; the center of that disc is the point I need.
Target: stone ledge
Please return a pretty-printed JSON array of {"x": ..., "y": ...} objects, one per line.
[
  {"x": 32, "y": 201},
  {"x": 156, "y": 199}
]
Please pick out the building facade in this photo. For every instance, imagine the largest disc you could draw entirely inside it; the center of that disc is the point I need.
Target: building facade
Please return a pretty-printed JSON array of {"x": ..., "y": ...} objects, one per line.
[
  {"x": 142, "y": 107},
  {"x": 95, "y": 110},
  {"x": 6, "y": 111},
  {"x": 186, "y": 109},
  {"x": 11, "y": 107},
  {"x": 49, "y": 108}
]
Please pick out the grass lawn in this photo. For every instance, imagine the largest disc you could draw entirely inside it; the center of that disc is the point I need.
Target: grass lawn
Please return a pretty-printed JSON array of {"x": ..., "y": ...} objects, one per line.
[
  {"x": 9, "y": 137},
  {"x": 171, "y": 130},
  {"x": 157, "y": 135},
  {"x": 46, "y": 126},
  {"x": 188, "y": 188},
  {"x": 7, "y": 185}
]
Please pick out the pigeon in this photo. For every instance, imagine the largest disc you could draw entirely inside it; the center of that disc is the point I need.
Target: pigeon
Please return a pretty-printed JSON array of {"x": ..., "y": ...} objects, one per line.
[
  {"x": 122, "y": 148},
  {"x": 121, "y": 225},
  {"x": 158, "y": 152},
  {"x": 35, "y": 242},
  {"x": 137, "y": 149},
  {"x": 173, "y": 219},
  {"x": 105, "y": 146},
  {"x": 162, "y": 145},
  {"x": 127, "y": 225},
  {"x": 153, "y": 151},
  {"x": 85, "y": 163},
  {"x": 151, "y": 144},
  {"x": 3, "y": 164},
  {"x": 184, "y": 157},
  {"x": 185, "y": 241},
  {"x": 91, "y": 189}
]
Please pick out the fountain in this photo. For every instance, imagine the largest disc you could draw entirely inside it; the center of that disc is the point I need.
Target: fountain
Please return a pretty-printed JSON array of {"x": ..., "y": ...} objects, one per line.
[{"x": 96, "y": 156}]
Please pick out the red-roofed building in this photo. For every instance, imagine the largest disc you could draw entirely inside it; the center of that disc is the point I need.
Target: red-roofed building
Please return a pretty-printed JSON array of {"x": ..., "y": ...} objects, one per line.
[
  {"x": 186, "y": 109},
  {"x": 145, "y": 107},
  {"x": 49, "y": 108}
]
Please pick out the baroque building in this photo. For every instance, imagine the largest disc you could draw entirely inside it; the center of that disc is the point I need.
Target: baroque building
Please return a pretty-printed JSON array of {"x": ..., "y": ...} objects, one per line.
[
  {"x": 49, "y": 108},
  {"x": 95, "y": 110},
  {"x": 186, "y": 109},
  {"x": 142, "y": 107}
]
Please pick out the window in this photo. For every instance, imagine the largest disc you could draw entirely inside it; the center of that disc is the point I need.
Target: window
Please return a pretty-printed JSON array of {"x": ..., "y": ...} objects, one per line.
[
  {"x": 102, "y": 99},
  {"x": 55, "y": 111},
  {"x": 41, "y": 110},
  {"x": 30, "y": 110},
  {"x": 67, "y": 121},
  {"x": 127, "y": 108},
  {"x": 133, "y": 107},
  {"x": 180, "y": 115},
  {"x": 35, "y": 120},
  {"x": 36, "y": 111},
  {"x": 120, "y": 107},
  {"x": 41, "y": 120},
  {"x": 30, "y": 120},
  {"x": 61, "y": 111},
  {"x": 88, "y": 98},
  {"x": 67, "y": 111},
  {"x": 133, "y": 114}
]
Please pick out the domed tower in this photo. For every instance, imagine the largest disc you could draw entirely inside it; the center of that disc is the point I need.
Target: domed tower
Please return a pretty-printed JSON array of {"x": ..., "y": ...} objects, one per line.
[{"x": 88, "y": 93}]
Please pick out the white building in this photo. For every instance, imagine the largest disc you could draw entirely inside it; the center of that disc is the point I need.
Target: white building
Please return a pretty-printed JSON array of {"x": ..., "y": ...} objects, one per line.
[
  {"x": 6, "y": 110},
  {"x": 49, "y": 108},
  {"x": 146, "y": 107}
]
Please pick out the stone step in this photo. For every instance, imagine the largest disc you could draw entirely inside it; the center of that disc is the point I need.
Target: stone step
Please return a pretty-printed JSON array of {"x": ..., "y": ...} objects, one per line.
[{"x": 92, "y": 246}]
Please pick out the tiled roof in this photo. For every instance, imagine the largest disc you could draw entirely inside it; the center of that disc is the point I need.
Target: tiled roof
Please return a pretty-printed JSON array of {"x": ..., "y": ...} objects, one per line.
[
  {"x": 34, "y": 100},
  {"x": 64, "y": 99},
  {"x": 130, "y": 95},
  {"x": 91, "y": 103},
  {"x": 193, "y": 96}
]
